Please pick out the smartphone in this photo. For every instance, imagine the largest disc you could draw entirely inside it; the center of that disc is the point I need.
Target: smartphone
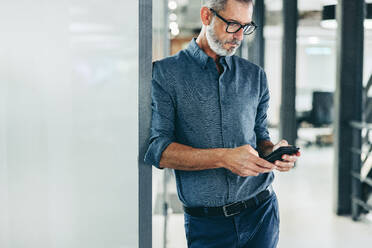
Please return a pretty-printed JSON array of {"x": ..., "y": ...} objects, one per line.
[{"x": 278, "y": 153}]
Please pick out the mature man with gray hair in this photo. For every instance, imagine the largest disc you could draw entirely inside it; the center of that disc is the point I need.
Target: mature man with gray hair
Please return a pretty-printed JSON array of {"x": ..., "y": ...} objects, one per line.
[{"x": 209, "y": 124}]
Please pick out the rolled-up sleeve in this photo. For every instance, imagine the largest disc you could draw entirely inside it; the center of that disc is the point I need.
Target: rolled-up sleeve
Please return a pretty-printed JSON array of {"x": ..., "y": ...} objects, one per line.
[
  {"x": 260, "y": 128},
  {"x": 162, "y": 121}
]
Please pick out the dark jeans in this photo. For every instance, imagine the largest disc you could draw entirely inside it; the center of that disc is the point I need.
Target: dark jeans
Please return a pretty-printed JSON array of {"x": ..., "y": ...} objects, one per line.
[{"x": 256, "y": 227}]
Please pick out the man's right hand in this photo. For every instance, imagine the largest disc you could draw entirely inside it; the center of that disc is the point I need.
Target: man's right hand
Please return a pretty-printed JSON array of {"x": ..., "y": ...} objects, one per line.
[{"x": 244, "y": 161}]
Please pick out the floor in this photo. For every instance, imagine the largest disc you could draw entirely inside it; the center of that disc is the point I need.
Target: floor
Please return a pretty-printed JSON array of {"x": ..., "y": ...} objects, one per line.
[{"x": 305, "y": 202}]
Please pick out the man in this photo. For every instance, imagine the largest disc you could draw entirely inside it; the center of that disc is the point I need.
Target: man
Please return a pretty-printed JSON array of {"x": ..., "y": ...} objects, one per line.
[{"x": 209, "y": 124}]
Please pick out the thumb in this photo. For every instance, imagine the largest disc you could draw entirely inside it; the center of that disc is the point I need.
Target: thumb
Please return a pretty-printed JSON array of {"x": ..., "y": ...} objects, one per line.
[{"x": 283, "y": 142}]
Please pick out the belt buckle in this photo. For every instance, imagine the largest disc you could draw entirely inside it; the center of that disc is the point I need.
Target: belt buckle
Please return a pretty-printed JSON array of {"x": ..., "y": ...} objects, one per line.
[{"x": 226, "y": 212}]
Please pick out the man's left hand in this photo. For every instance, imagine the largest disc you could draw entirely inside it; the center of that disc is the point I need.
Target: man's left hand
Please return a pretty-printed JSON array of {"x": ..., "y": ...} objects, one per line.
[{"x": 288, "y": 160}]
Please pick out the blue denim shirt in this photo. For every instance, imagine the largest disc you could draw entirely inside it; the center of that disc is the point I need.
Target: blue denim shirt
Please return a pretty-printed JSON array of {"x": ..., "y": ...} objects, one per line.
[{"x": 194, "y": 105}]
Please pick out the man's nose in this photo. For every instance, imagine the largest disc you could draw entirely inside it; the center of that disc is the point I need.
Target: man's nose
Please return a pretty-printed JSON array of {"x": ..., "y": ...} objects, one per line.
[{"x": 239, "y": 35}]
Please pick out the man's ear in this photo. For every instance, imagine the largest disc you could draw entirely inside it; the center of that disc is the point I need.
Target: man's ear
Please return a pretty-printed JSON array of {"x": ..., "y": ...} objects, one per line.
[{"x": 206, "y": 15}]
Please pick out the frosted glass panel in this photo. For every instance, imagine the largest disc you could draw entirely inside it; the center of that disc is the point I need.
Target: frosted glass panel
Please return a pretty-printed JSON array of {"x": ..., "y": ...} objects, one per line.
[{"x": 68, "y": 124}]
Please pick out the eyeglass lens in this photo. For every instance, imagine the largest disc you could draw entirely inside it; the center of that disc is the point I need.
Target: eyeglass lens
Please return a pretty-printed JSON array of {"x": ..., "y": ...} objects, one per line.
[{"x": 234, "y": 27}]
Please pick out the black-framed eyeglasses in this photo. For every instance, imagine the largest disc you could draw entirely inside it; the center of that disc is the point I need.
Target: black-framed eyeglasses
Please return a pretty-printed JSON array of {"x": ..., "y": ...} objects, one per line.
[{"x": 233, "y": 27}]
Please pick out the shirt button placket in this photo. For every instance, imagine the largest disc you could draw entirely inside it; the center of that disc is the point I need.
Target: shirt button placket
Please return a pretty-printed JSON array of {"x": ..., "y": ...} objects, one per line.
[{"x": 223, "y": 109}]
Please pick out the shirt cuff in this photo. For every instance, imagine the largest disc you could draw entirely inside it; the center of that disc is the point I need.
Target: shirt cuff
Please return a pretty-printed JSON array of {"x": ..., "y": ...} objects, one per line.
[{"x": 155, "y": 150}]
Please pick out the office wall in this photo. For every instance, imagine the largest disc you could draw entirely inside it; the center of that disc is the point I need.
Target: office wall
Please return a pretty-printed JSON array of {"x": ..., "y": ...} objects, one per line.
[{"x": 68, "y": 124}]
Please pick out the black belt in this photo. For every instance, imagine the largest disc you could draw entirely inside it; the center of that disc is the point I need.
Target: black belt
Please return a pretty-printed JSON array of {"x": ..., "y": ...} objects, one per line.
[{"x": 229, "y": 209}]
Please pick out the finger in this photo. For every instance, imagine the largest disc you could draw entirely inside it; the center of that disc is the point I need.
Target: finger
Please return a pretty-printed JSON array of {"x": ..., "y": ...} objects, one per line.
[
  {"x": 283, "y": 169},
  {"x": 284, "y": 164},
  {"x": 264, "y": 163},
  {"x": 252, "y": 173},
  {"x": 248, "y": 172},
  {"x": 259, "y": 169},
  {"x": 254, "y": 170},
  {"x": 283, "y": 142},
  {"x": 279, "y": 144},
  {"x": 289, "y": 158}
]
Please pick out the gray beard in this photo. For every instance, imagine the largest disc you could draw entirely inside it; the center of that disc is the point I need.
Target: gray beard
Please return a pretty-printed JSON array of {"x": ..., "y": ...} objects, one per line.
[{"x": 215, "y": 44}]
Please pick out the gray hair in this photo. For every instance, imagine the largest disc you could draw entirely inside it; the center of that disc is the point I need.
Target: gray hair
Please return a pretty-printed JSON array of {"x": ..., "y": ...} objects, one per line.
[{"x": 219, "y": 5}]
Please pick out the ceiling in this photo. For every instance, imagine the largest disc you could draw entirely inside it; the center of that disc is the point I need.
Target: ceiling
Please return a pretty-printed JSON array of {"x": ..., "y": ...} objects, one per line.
[
  {"x": 272, "y": 5},
  {"x": 303, "y": 5}
]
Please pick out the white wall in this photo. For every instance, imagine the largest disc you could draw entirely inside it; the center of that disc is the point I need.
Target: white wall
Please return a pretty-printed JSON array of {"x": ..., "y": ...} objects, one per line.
[{"x": 68, "y": 124}]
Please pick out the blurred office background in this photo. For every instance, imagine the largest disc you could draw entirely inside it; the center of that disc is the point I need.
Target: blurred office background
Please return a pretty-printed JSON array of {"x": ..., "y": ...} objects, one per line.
[
  {"x": 71, "y": 73},
  {"x": 306, "y": 193}
]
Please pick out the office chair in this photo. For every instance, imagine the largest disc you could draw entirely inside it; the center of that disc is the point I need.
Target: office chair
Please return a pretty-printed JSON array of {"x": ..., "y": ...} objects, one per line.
[{"x": 321, "y": 115}]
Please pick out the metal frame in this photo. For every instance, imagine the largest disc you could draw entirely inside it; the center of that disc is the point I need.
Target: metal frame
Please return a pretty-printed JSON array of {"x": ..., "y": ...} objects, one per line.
[
  {"x": 348, "y": 98},
  {"x": 144, "y": 115},
  {"x": 358, "y": 204},
  {"x": 288, "y": 124}
]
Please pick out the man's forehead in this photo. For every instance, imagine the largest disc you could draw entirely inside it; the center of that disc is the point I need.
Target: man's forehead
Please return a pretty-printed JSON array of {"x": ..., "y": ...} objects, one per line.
[{"x": 238, "y": 11}]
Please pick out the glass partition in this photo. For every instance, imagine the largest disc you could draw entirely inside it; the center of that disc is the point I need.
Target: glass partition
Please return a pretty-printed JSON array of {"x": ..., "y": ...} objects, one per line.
[{"x": 68, "y": 124}]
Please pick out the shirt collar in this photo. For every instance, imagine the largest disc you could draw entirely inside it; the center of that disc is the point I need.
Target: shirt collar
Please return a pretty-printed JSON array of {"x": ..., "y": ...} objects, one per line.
[
  {"x": 227, "y": 59},
  {"x": 201, "y": 57}
]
